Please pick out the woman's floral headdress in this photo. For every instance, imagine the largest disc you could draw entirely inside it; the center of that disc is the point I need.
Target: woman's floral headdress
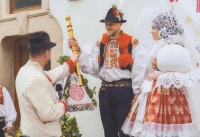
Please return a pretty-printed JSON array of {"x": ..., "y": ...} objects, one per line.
[{"x": 167, "y": 24}]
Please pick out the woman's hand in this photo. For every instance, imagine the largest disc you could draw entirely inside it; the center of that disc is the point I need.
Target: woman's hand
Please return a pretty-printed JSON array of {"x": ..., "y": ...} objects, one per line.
[{"x": 152, "y": 76}]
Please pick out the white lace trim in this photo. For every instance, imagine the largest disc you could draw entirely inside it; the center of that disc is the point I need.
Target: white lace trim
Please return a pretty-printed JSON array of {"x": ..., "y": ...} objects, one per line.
[
  {"x": 152, "y": 129},
  {"x": 178, "y": 80},
  {"x": 172, "y": 130}
]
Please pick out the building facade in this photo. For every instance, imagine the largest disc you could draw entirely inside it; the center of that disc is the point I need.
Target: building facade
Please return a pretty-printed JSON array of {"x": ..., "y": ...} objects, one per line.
[{"x": 20, "y": 18}]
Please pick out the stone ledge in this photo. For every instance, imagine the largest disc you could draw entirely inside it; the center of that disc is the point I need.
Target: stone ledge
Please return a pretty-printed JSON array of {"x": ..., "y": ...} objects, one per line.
[
  {"x": 38, "y": 13},
  {"x": 31, "y": 14},
  {"x": 8, "y": 18}
]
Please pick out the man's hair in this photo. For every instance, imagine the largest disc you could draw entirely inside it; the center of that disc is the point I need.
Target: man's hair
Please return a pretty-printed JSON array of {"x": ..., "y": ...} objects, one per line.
[{"x": 34, "y": 54}]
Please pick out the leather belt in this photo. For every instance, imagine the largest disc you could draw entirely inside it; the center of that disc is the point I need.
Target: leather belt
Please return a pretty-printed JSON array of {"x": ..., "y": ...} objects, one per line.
[
  {"x": 116, "y": 84},
  {"x": 24, "y": 136}
]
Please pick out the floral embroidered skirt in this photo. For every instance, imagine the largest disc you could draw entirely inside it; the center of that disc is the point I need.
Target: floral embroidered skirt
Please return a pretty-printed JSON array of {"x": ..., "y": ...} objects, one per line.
[{"x": 166, "y": 114}]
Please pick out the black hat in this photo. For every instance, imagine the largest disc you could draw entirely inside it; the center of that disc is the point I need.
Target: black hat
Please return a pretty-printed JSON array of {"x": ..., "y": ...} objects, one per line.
[
  {"x": 39, "y": 41},
  {"x": 114, "y": 15}
]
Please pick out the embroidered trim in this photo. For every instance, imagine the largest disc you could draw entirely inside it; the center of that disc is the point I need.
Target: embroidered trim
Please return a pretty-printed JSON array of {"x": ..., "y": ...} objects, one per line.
[
  {"x": 111, "y": 53},
  {"x": 178, "y": 80},
  {"x": 153, "y": 129},
  {"x": 115, "y": 85},
  {"x": 80, "y": 107},
  {"x": 123, "y": 41},
  {"x": 172, "y": 130}
]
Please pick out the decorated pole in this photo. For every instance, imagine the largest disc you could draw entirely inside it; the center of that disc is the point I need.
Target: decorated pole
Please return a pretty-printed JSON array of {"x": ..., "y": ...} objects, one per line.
[{"x": 71, "y": 34}]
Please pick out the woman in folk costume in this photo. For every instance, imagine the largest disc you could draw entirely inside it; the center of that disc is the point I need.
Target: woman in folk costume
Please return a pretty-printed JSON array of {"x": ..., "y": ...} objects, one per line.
[{"x": 163, "y": 108}]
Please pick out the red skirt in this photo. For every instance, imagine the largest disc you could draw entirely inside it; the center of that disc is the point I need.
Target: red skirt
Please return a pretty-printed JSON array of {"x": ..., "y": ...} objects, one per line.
[{"x": 167, "y": 114}]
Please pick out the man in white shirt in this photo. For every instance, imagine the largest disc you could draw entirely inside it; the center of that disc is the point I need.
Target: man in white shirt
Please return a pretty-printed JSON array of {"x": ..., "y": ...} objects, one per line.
[
  {"x": 39, "y": 109},
  {"x": 7, "y": 112}
]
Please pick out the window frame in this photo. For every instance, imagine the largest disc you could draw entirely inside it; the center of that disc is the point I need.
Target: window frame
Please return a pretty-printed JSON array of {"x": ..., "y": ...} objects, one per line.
[{"x": 12, "y": 11}]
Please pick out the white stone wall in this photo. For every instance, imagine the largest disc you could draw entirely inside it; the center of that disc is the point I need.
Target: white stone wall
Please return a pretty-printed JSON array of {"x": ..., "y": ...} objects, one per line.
[{"x": 85, "y": 16}]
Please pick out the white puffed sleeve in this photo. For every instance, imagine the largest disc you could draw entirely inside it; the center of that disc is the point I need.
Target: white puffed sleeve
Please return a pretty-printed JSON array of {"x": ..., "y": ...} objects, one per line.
[
  {"x": 139, "y": 67},
  {"x": 89, "y": 59}
]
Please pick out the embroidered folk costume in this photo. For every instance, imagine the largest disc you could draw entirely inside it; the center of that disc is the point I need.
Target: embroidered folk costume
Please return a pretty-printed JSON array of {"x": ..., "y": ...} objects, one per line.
[
  {"x": 119, "y": 63},
  {"x": 163, "y": 108}
]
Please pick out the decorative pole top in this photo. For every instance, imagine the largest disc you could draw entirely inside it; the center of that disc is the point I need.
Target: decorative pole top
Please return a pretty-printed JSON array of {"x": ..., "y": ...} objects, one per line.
[
  {"x": 67, "y": 18},
  {"x": 69, "y": 26}
]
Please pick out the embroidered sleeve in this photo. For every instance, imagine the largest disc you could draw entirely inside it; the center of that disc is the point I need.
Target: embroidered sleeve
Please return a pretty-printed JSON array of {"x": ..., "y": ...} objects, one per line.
[{"x": 135, "y": 42}]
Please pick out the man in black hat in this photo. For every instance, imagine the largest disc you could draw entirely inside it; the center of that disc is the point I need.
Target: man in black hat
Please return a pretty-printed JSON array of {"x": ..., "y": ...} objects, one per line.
[
  {"x": 118, "y": 60},
  {"x": 40, "y": 112}
]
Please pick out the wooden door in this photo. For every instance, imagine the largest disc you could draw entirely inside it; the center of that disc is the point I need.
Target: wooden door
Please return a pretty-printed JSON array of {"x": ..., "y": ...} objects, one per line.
[{"x": 21, "y": 56}]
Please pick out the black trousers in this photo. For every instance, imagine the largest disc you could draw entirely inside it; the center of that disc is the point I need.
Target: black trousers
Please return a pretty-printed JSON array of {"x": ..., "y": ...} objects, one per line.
[
  {"x": 2, "y": 124},
  {"x": 114, "y": 104}
]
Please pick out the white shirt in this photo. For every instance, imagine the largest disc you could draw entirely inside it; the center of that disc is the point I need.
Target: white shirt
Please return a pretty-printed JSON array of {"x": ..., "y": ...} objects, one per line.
[{"x": 7, "y": 109}]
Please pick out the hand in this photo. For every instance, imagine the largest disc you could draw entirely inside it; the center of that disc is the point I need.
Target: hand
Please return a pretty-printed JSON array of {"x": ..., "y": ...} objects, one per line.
[
  {"x": 63, "y": 99},
  {"x": 73, "y": 42},
  {"x": 7, "y": 129},
  {"x": 74, "y": 58},
  {"x": 152, "y": 76}
]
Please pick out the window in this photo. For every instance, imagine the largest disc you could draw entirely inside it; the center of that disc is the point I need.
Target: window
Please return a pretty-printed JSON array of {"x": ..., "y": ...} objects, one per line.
[{"x": 24, "y": 5}]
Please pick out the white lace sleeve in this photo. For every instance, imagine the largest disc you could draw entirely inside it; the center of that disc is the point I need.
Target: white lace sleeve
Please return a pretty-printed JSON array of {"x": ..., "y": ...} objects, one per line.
[{"x": 178, "y": 80}]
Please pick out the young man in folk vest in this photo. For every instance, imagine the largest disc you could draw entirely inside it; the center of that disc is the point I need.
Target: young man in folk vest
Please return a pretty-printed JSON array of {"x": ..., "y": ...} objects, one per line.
[{"x": 118, "y": 60}]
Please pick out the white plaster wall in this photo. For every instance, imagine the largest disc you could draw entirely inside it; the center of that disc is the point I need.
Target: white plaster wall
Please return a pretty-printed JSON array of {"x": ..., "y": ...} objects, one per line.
[{"x": 85, "y": 16}]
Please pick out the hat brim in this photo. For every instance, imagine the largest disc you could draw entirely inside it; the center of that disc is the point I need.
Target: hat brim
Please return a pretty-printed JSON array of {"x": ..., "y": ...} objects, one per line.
[
  {"x": 50, "y": 45},
  {"x": 112, "y": 21}
]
